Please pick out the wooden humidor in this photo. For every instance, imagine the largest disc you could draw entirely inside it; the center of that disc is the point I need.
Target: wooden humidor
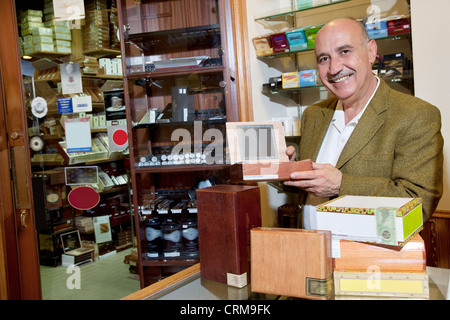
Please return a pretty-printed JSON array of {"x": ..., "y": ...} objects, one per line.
[
  {"x": 226, "y": 213},
  {"x": 292, "y": 262}
]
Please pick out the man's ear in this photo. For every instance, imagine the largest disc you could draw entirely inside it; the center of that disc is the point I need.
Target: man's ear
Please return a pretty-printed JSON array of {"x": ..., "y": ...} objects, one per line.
[{"x": 372, "y": 49}]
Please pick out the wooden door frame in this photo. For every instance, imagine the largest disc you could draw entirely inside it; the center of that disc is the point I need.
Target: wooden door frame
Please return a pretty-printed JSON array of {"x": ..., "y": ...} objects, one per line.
[
  {"x": 19, "y": 244},
  {"x": 238, "y": 20}
]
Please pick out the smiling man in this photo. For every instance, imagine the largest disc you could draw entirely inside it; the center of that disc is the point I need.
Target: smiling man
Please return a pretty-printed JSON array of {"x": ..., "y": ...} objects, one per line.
[{"x": 368, "y": 139}]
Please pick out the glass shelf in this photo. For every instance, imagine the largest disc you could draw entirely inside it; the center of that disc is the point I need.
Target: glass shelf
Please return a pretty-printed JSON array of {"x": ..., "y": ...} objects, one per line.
[{"x": 269, "y": 15}]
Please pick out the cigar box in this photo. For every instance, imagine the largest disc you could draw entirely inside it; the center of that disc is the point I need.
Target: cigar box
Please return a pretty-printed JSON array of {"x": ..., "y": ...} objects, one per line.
[
  {"x": 398, "y": 25},
  {"x": 310, "y": 34},
  {"x": 271, "y": 171},
  {"x": 263, "y": 46},
  {"x": 360, "y": 256},
  {"x": 280, "y": 43},
  {"x": 385, "y": 220},
  {"x": 377, "y": 28},
  {"x": 290, "y": 80},
  {"x": 257, "y": 152},
  {"x": 382, "y": 284},
  {"x": 296, "y": 39},
  {"x": 226, "y": 213},
  {"x": 292, "y": 262}
]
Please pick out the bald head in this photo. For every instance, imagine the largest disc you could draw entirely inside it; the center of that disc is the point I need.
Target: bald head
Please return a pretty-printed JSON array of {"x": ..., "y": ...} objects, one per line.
[{"x": 350, "y": 24}]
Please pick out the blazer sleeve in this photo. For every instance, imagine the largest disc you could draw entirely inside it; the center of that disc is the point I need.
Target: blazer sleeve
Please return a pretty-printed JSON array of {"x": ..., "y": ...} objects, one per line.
[{"x": 414, "y": 167}]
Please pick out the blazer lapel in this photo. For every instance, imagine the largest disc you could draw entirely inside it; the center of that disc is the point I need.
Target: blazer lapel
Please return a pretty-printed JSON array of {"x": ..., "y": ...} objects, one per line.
[
  {"x": 367, "y": 126},
  {"x": 320, "y": 130}
]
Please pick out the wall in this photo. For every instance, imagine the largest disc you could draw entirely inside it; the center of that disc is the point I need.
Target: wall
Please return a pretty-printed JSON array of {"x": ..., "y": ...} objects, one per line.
[{"x": 431, "y": 80}]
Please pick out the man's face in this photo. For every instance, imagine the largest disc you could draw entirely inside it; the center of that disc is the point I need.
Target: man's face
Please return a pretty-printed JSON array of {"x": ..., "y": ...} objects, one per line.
[{"x": 344, "y": 62}]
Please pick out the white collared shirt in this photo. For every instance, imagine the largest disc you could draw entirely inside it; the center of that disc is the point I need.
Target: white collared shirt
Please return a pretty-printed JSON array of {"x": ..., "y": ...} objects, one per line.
[{"x": 334, "y": 142}]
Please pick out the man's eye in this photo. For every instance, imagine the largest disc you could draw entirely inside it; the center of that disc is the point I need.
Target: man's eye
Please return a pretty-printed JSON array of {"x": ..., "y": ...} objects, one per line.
[
  {"x": 323, "y": 59},
  {"x": 344, "y": 52}
]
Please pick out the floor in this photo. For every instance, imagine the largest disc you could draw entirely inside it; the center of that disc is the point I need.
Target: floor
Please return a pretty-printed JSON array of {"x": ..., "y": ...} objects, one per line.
[{"x": 105, "y": 279}]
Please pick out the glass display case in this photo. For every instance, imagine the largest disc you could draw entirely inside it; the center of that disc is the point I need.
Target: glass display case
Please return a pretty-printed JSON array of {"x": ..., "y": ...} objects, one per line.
[{"x": 178, "y": 96}]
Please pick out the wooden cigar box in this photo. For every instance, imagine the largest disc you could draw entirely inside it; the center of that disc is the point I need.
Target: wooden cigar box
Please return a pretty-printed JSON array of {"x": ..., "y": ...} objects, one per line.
[
  {"x": 360, "y": 256},
  {"x": 226, "y": 213},
  {"x": 382, "y": 284},
  {"x": 257, "y": 152},
  {"x": 385, "y": 220},
  {"x": 267, "y": 171},
  {"x": 292, "y": 262}
]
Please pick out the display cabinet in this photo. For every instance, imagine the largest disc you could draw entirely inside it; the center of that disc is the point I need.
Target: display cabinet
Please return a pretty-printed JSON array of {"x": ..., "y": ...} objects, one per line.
[
  {"x": 46, "y": 45},
  {"x": 178, "y": 94}
]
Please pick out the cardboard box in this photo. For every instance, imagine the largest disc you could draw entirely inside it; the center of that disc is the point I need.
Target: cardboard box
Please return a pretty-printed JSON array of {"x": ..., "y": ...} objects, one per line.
[
  {"x": 98, "y": 152},
  {"x": 226, "y": 214},
  {"x": 310, "y": 34},
  {"x": 360, "y": 256},
  {"x": 290, "y": 80},
  {"x": 263, "y": 46},
  {"x": 399, "y": 25},
  {"x": 257, "y": 152},
  {"x": 356, "y": 218},
  {"x": 279, "y": 43},
  {"x": 377, "y": 29},
  {"x": 307, "y": 78},
  {"x": 382, "y": 284},
  {"x": 297, "y": 39},
  {"x": 292, "y": 262}
]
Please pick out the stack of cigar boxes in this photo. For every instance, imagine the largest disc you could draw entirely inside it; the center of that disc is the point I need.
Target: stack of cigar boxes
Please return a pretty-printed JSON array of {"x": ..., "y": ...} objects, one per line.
[
  {"x": 376, "y": 270},
  {"x": 377, "y": 248},
  {"x": 96, "y": 30}
]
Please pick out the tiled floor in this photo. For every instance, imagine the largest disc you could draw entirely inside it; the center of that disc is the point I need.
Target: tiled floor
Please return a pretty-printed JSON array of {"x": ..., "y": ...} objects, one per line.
[{"x": 106, "y": 279}]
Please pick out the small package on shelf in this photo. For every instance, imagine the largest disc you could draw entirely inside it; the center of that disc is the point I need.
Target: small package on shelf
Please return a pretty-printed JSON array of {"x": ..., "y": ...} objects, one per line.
[
  {"x": 98, "y": 152},
  {"x": 308, "y": 78},
  {"x": 399, "y": 25},
  {"x": 263, "y": 46},
  {"x": 290, "y": 80},
  {"x": 305, "y": 4},
  {"x": 279, "y": 43},
  {"x": 377, "y": 28},
  {"x": 297, "y": 39},
  {"x": 310, "y": 33},
  {"x": 393, "y": 65}
]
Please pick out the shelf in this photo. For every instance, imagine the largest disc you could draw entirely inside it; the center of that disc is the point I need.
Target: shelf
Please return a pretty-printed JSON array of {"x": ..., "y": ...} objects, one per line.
[
  {"x": 162, "y": 73},
  {"x": 288, "y": 11},
  {"x": 284, "y": 54},
  {"x": 102, "y": 53},
  {"x": 178, "y": 124},
  {"x": 182, "y": 168},
  {"x": 162, "y": 262},
  {"x": 171, "y": 40}
]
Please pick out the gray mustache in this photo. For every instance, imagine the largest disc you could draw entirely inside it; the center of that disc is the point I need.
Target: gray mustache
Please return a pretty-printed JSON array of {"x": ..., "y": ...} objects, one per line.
[{"x": 339, "y": 75}]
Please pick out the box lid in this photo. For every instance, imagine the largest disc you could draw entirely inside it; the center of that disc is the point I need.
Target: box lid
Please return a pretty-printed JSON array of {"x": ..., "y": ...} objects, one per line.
[{"x": 368, "y": 204}]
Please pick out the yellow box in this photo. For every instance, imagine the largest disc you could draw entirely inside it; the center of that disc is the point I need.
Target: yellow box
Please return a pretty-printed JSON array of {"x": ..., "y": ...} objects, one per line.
[{"x": 290, "y": 80}]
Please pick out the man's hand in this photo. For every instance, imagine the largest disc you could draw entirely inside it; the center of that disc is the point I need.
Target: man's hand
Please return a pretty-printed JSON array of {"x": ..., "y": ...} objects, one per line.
[
  {"x": 323, "y": 181},
  {"x": 290, "y": 151}
]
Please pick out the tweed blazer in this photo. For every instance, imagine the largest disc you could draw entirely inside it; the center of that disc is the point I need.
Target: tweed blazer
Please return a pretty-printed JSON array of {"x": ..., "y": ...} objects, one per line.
[{"x": 395, "y": 150}]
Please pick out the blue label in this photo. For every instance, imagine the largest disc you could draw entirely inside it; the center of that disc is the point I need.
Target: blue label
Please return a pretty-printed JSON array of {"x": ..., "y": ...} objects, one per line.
[{"x": 65, "y": 105}]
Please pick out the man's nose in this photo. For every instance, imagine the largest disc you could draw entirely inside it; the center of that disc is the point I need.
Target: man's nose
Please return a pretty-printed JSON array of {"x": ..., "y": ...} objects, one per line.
[{"x": 335, "y": 66}]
